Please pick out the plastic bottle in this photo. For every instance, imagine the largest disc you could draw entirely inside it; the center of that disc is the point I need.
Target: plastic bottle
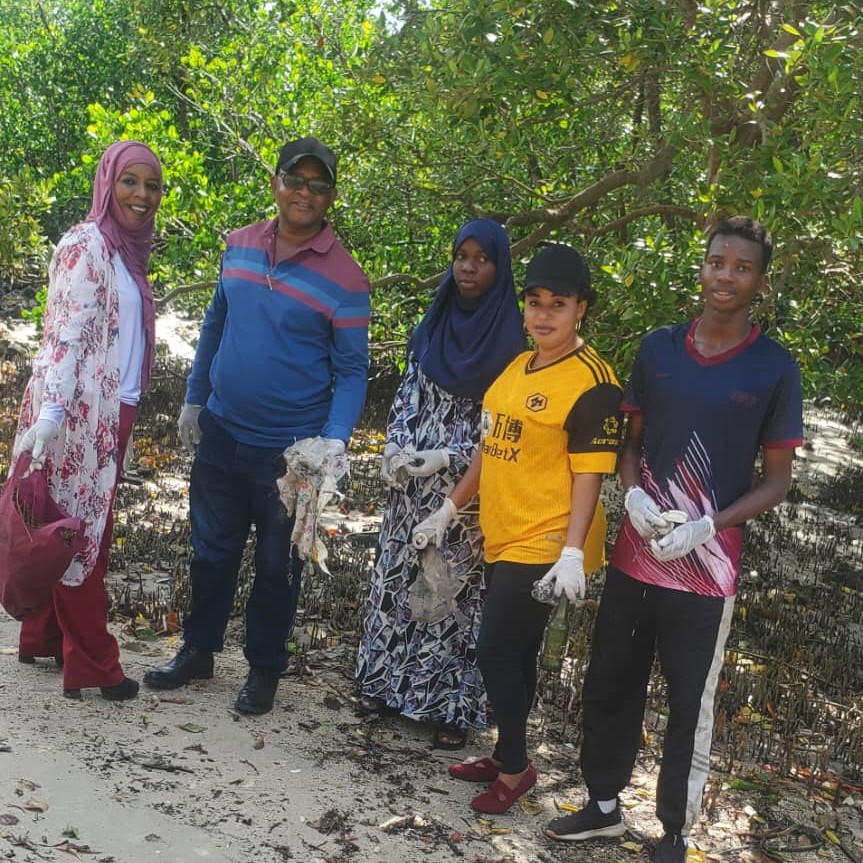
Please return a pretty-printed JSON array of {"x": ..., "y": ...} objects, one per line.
[
  {"x": 556, "y": 637},
  {"x": 420, "y": 541}
]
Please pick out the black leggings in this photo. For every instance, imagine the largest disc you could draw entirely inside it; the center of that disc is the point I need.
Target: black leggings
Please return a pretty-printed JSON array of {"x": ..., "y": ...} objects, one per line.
[{"x": 509, "y": 640}]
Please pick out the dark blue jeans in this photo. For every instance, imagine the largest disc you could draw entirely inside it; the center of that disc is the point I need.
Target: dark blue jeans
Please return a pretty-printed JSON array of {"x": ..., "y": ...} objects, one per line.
[{"x": 233, "y": 486}]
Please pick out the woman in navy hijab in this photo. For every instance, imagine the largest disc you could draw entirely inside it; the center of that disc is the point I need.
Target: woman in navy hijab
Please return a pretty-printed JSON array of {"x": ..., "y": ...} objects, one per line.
[{"x": 417, "y": 656}]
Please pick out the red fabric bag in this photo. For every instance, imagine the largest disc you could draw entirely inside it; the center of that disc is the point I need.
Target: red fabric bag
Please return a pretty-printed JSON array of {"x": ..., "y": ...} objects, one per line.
[{"x": 38, "y": 540}]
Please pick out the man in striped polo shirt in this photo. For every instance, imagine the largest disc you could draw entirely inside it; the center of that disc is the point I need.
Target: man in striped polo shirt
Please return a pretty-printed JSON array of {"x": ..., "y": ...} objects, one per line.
[{"x": 282, "y": 356}]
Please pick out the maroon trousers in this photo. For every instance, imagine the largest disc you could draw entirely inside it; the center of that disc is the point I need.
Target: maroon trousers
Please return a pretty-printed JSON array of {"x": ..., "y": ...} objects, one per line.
[{"x": 74, "y": 623}]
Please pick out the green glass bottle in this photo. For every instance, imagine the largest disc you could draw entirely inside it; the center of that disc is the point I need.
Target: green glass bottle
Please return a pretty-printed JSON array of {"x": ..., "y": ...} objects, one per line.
[{"x": 556, "y": 637}]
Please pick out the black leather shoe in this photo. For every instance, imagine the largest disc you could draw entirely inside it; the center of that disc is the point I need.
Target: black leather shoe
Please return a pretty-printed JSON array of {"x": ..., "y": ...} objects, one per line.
[
  {"x": 123, "y": 691},
  {"x": 259, "y": 691},
  {"x": 189, "y": 664}
]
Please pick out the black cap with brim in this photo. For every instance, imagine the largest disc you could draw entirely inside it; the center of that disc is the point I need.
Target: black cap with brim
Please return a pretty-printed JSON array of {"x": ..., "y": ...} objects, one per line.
[
  {"x": 561, "y": 289},
  {"x": 302, "y": 148},
  {"x": 560, "y": 269}
]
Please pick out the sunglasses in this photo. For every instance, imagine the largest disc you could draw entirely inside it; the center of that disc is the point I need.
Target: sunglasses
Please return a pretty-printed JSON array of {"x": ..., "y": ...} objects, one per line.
[{"x": 295, "y": 182}]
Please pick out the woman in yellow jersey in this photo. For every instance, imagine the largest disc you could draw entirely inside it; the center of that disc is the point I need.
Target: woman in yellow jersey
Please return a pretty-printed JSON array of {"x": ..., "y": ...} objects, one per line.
[{"x": 550, "y": 430}]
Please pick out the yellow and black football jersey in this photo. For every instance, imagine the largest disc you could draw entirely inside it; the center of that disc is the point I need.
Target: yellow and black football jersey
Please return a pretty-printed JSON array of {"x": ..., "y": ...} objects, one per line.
[{"x": 539, "y": 426}]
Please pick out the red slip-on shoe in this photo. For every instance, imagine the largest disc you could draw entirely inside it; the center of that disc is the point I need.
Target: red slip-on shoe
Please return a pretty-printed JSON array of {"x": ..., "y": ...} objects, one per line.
[
  {"x": 499, "y": 798},
  {"x": 483, "y": 770}
]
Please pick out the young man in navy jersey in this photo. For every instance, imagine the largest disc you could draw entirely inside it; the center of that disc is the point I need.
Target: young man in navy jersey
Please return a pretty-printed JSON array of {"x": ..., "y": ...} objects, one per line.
[{"x": 705, "y": 397}]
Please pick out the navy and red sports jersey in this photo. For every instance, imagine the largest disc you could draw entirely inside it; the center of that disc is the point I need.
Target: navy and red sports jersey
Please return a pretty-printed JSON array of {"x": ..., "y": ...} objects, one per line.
[{"x": 705, "y": 421}]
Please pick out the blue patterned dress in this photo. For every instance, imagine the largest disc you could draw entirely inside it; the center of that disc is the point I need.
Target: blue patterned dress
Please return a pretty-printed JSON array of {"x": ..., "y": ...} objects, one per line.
[{"x": 426, "y": 671}]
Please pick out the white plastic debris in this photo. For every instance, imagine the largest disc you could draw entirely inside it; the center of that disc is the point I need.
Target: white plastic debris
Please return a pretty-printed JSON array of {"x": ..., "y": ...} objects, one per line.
[
  {"x": 309, "y": 484},
  {"x": 432, "y": 596}
]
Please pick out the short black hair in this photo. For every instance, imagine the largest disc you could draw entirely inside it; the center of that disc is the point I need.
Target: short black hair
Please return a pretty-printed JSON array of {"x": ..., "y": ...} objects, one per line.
[{"x": 749, "y": 229}]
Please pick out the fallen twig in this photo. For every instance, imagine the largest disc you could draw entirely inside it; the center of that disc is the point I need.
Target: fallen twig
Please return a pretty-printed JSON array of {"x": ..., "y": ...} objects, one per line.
[
  {"x": 848, "y": 851},
  {"x": 24, "y": 842},
  {"x": 161, "y": 764},
  {"x": 813, "y": 833}
]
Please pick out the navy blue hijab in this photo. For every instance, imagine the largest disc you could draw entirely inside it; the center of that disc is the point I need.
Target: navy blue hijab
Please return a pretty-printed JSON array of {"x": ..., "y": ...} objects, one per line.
[{"x": 464, "y": 349}]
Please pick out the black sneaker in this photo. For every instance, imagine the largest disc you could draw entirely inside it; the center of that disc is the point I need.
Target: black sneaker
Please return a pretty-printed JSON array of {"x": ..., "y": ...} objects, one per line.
[
  {"x": 671, "y": 849},
  {"x": 587, "y": 823}
]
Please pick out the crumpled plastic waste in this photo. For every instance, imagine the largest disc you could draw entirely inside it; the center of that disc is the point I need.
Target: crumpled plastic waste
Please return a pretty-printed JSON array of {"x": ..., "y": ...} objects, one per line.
[
  {"x": 309, "y": 484},
  {"x": 432, "y": 596},
  {"x": 543, "y": 591},
  {"x": 398, "y": 466},
  {"x": 677, "y": 516}
]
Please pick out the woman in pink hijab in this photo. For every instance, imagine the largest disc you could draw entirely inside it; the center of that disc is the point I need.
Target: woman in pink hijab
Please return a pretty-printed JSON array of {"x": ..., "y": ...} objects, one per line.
[{"x": 79, "y": 407}]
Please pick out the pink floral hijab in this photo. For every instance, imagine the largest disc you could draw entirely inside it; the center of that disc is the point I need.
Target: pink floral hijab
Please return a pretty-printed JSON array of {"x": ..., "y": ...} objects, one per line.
[{"x": 133, "y": 244}]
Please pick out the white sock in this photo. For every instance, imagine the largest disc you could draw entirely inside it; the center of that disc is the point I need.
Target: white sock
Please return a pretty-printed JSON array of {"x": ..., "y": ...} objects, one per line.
[
  {"x": 683, "y": 839},
  {"x": 606, "y": 807}
]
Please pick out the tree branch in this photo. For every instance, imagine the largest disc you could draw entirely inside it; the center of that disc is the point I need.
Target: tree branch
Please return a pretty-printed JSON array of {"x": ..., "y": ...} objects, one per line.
[
  {"x": 221, "y": 124},
  {"x": 552, "y": 218},
  {"x": 45, "y": 22},
  {"x": 777, "y": 91},
  {"x": 406, "y": 278},
  {"x": 653, "y": 210},
  {"x": 183, "y": 289}
]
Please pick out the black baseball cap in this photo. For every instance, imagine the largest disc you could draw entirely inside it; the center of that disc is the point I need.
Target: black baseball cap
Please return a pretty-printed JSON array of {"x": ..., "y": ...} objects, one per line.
[
  {"x": 293, "y": 151},
  {"x": 560, "y": 269}
]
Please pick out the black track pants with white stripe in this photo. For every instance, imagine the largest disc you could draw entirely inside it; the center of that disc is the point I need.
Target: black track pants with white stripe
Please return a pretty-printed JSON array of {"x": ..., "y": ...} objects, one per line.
[{"x": 687, "y": 632}]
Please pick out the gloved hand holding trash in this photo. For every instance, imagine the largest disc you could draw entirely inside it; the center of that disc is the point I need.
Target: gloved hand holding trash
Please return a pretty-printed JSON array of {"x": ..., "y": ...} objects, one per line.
[
  {"x": 646, "y": 517},
  {"x": 314, "y": 467},
  {"x": 399, "y": 464},
  {"x": 565, "y": 576},
  {"x": 431, "y": 530},
  {"x": 683, "y": 539},
  {"x": 432, "y": 595}
]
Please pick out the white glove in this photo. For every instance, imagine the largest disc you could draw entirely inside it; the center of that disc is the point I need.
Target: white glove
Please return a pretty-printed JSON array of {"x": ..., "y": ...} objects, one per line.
[
  {"x": 566, "y": 576},
  {"x": 35, "y": 440},
  {"x": 433, "y": 528},
  {"x": 683, "y": 539},
  {"x": 644, "y": 513},
  {"x": 425, "y": 462},
  {"x": 190, "y": 431},
  {"x": 390, "y": 451}
]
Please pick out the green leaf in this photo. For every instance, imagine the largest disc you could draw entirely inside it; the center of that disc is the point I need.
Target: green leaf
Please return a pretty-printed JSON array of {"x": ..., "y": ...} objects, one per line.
[{"x": 743, "y": 785}]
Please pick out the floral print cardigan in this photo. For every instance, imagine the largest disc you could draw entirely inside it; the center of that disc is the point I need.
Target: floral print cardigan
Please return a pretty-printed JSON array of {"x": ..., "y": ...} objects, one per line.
[{"x": 78, "y": 366}]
